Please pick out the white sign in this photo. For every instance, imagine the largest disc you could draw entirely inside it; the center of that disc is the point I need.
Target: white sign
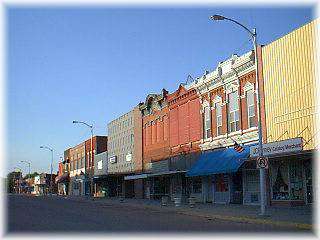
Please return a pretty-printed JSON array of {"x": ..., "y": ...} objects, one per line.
[
  {"x": 281, "y": 147},
  {"x": 37, "y": 180},
  {"x": 262, "y": 162},
  {"x": 113, "y": 159},
  {"x": 100, "y": 164},
  {"x": 129, "y": 157}
]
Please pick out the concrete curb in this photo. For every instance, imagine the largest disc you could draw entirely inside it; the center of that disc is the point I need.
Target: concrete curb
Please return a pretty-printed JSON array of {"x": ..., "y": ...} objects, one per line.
[{"x": 252, "y": 220}]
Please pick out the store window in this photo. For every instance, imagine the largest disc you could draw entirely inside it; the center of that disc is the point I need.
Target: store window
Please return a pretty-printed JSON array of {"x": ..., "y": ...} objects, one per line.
[
  {"x": 219, "y": 118},
  {"x": 221, "y": 183},
  {"x": 234, "y": 122},
  {"x": 197, "y": 185},
  {"x": 252, "y": 181},
  {"x": 207, "y": 122},
  {"x": 287, "y": 181},
  {"x": 280, "y": 185},
  {"x": 296, "y": 181},
  {"x": 250, "y": 108}
]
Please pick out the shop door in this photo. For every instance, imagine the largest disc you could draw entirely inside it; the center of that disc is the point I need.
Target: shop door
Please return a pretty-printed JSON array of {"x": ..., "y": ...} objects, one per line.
[{"x": 237, "y": 193}]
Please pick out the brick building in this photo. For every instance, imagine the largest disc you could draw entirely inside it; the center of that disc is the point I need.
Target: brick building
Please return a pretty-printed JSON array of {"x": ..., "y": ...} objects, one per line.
[
  {"x": 229, "y": 116},
  {"x": 63, "y": 178},
  {"x": 185, "y": 121},
  {"x": 155, "y": 140},
  {"x": 99, "y": 145},
  {"x": 77, "y": 170}
]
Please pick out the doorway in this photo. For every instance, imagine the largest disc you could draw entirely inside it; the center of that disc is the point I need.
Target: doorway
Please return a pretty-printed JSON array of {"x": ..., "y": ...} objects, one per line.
[{"x": 237, "y": 190}]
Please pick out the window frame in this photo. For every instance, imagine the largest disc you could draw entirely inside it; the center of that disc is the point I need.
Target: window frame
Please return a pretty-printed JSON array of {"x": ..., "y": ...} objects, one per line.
[
  {"x": 218, "y": 105},
  {"x": 207, "y": 122},
  {"x": 235, "y": 111},
  {"x": 250, "y": 106}
]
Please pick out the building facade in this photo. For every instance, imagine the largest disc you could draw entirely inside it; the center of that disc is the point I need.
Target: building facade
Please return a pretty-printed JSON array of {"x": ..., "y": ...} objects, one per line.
[
  {"x": 229, "y": 117},
  {"x": 124, "y": 150},
  {"x": 100, "y": 174},
  {"x": 77, "y": 170},
  {"x": 99, "y": 145},
  {"x": 289, "y": 72}
]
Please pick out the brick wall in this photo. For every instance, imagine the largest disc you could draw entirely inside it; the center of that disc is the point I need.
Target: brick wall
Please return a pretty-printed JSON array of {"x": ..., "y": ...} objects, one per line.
[
  {"x": 185, "y": 123},
  {"x": 155, "y": 136}
]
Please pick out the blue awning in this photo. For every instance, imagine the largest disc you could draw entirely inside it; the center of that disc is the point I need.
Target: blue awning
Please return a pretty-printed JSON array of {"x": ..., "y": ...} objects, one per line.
[{"x": 219, "y": 161}]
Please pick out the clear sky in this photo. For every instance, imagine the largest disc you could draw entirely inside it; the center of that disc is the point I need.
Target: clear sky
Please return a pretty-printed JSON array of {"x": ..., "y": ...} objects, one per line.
[{"x": 94, "y": 64}]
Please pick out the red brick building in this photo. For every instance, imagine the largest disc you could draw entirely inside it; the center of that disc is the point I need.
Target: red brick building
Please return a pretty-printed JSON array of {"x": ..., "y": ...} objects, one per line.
[
  {"x": 155, "y": 128},
  {"x": 185, "y": 123},
  {"x": 99, "y": 145}
]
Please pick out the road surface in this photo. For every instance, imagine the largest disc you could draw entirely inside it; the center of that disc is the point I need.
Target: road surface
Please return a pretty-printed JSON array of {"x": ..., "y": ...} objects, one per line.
[{"x": 45, "y": 214}]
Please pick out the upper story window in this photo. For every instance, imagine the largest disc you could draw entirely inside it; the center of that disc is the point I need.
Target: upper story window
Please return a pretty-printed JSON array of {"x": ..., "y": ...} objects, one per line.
[
  {"x": 233, "y": 118},
  {"x": 219, "y": 118},
  {"x": 250, "y": 108},
  {"x": 207, "y": 122}
]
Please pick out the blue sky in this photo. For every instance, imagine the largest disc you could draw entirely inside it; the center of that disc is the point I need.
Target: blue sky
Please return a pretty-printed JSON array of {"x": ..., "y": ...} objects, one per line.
[{"x": 96, "y": 63}]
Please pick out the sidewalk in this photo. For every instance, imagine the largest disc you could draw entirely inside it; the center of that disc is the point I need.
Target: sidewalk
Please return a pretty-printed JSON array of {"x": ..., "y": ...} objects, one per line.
[{"x": 299, "y": 217}]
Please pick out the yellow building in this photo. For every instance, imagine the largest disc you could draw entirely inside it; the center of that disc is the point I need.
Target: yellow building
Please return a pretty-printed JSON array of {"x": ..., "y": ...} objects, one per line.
[{"x": 289, "y": 74}]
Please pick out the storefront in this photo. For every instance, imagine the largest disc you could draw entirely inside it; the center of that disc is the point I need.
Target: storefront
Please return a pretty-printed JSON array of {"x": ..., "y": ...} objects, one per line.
[
  {"x": 291, "y": 179},
  {"x": 251, "y": 183},
  {"x": 220, "y": 174},
  {"x": 290, "y": 172},
  {"x": 138, "y": 181},
  {"x": 63, "y": 184},
  {"x": 77, "y": 185}
]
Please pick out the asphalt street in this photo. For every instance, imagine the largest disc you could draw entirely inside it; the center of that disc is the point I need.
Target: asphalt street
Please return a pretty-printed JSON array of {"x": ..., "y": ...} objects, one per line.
[{"x": 45, "y": 214}]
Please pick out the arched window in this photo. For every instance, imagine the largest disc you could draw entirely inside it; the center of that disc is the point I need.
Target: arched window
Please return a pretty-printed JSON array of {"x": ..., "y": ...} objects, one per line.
[
  {"x": 233, "y": 117},
  {"x": 207, "y": 122},
  {"x": 219, "y": 117},
  {"x": 250, "y": 108}
]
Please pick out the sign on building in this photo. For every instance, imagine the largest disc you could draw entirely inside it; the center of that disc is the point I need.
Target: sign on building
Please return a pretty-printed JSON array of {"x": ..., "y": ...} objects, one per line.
[
  {"x": 280, "y": 147},
  {"x": 262, "y": 162},
  {"x": 113, "y": 159},
  {"x": 100, "y": 164},
  {"x": 129, "y": 157}
]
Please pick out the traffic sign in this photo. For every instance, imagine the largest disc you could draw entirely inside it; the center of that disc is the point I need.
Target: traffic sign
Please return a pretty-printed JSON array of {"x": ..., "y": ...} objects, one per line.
[{"x": 262, "y": 162}]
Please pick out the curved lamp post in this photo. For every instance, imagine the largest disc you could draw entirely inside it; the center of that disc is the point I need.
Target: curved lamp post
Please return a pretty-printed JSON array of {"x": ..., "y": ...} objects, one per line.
[
  {"x": 91, "y": 147},
  {"x": 50, "y": 149},
  {"x": 253, "y": 35},
  {"x": 29, "y": 165}
]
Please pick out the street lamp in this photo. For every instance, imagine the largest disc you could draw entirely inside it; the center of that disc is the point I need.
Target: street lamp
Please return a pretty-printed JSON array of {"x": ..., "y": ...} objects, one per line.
[
  {"x": 29, "y": 164},
  {"x": 50, "y": 149},
  {"x": 253, "y": 35},
  {"x": 91, "y": 147}
]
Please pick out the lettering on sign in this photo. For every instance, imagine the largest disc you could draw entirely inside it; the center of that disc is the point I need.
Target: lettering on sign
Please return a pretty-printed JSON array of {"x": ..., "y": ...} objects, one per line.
[{"x": 281, "y": 147}]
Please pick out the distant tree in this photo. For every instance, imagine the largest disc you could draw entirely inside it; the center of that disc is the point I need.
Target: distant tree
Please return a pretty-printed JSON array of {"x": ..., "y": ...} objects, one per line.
[
  {"x": 11, "y": 177},
  {"x": 32, "y": 175}
]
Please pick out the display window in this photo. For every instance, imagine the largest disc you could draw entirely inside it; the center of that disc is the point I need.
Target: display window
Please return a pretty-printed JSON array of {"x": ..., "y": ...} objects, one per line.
[
  {"x": 280, "y": 185},
  {"x": 196, "y": 185},
  {"x": 221, "y": 183},
  {"x": 287, "y": 180},
  {"x": 296, "y": 181}
]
